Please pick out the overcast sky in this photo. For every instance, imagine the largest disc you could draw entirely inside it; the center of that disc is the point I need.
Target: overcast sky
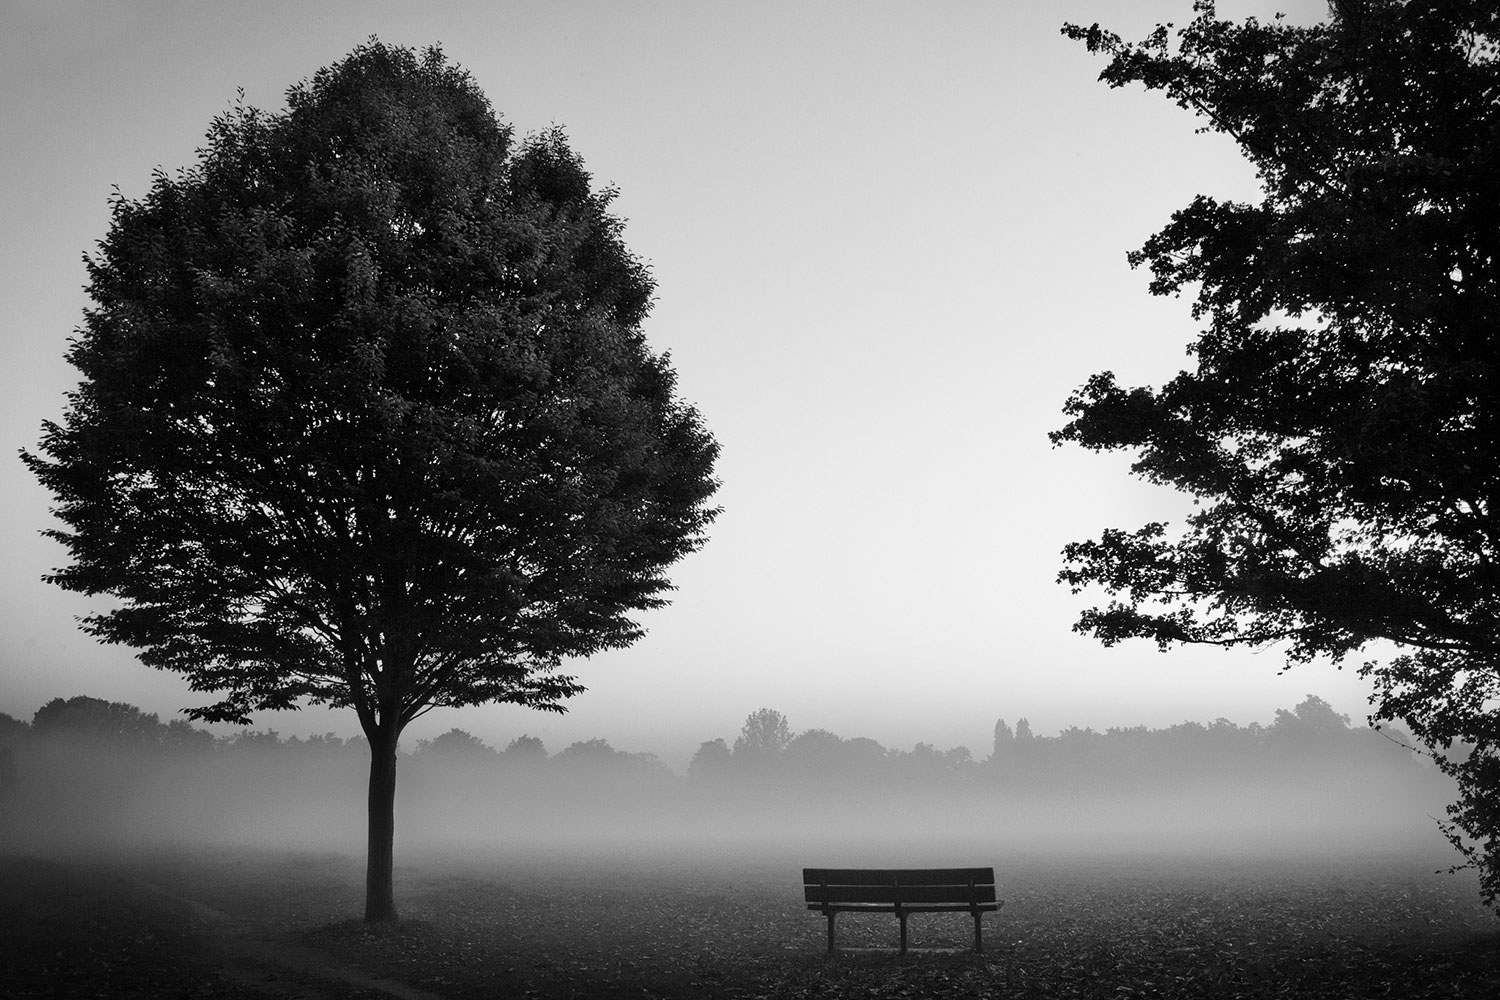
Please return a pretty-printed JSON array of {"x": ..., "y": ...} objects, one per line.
[{"x": 889, "y": 239}]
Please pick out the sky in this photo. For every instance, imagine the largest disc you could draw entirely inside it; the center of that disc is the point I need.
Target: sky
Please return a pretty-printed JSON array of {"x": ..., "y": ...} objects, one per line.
[{"x": 888, "y": 238}]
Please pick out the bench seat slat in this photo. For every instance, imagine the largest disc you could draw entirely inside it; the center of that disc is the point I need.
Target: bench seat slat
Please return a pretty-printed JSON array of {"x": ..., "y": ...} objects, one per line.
[
  {"x": 918, "y": 908},
  {"x": 899, "y": 894},
  {"x": 904, "y": 876}
]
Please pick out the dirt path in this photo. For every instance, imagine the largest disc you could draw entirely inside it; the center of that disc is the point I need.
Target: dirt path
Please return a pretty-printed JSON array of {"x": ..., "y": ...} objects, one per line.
[{"x": 83, "y": 930}]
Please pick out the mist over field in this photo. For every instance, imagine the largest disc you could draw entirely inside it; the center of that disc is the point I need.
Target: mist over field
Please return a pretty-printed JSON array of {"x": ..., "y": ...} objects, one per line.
[
  {"x": 1296, "y": 857},
  {"x": 87, "y": 776}
]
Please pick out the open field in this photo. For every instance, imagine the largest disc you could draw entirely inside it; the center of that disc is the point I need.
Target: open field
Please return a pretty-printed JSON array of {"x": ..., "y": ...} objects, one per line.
[{"x": 242, "y": 923}]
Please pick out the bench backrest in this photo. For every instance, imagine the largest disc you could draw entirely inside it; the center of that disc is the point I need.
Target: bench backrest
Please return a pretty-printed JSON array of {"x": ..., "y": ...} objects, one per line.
[{"x": 898, "y": 885}]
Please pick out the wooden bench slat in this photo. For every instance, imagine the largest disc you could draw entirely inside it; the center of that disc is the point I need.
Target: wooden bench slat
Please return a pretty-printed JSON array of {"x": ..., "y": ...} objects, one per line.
[
  {"x": 902, "y": 876},
  {"x": 900, "y": 893},
  {"x": 905, "y": 908}
]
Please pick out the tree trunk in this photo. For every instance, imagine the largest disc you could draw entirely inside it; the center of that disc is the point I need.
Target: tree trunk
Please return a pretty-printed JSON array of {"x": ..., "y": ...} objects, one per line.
[{"x": 380, "y": 895}]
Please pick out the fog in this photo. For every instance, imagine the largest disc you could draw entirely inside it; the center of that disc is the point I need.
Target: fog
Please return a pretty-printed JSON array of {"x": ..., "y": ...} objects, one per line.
[{"x": 86, "y": 777}]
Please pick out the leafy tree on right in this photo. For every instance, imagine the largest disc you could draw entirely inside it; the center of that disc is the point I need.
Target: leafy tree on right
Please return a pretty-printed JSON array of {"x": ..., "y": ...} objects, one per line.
[{"x": 1340, "y": 426}]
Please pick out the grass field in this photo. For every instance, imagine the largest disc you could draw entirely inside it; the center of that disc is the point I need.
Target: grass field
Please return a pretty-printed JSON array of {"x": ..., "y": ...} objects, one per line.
[{"x": 729, "y": 922}]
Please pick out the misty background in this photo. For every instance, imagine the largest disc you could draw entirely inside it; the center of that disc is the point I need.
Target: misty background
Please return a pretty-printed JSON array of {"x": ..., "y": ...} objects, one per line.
[{"x": 87, "y": 774}]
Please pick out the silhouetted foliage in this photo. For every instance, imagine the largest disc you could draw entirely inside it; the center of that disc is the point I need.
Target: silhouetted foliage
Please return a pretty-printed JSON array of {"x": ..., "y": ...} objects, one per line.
[
  {"x": 1311, "y": 720},
  {"x": 95, "y": 720},
  {"x": 1308, "y": 770},
  {"x": 183, "y": 738},
  {"x": 1341, "y": 426},
  {"x": 12, "y": 731},
  {"x": 456, "y": 744},
  {"x": 1003, "y": 740},
  {"x": 594, "y": 749},
  {"x": 1310, "y": 749},
  {"x": 598, "y": 756},
  {"x": 711, "y": 762},
  {"x": 85, "y": 720},
  {"x": 765, "y": 735},
  {"x": 864, "y": 756},
  {"x": 526, "y": 748},
  {"x": 925, "y": 766},
  {"x": 367, "y": 418},
  {"x": 816, "y": 747}
]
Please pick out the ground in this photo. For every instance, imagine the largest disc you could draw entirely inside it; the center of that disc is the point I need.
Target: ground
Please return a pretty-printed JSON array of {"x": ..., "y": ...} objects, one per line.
[{"x": 247, "y": 923}]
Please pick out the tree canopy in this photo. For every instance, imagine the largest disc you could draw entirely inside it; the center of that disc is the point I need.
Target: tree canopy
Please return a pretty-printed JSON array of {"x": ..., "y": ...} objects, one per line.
[
  {"x": 765, "y": 734},
  {"x": 114, "y": 724},
  {"x": 1340, "y": 426},
  {"x": 366, "y": 415}
]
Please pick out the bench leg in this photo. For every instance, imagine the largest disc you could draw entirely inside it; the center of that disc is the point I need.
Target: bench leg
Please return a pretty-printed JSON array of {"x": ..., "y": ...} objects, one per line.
[
  {"x": 902, "y": 917},
  {"x": 831, "y": 915},
  {"x": 977, "y": 946}
]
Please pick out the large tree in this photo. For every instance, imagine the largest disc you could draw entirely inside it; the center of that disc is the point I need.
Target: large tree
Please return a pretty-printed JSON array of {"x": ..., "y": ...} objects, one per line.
[
  {"x": 1340, "y": 428},
  {"x": 367, "y": 419}
]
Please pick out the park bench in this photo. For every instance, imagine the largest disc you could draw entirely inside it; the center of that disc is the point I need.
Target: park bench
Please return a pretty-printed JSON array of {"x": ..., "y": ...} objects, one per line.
[{"x": 902, "y": 891}]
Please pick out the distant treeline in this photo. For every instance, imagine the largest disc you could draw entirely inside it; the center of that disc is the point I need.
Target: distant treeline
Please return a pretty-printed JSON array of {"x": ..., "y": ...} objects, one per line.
[
  {"x": 85, "y": 722},
  {"x": 1306, "y": 743},
  {"x": 1309, "y": 739},
  {"x": 85, "y": 771}
]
